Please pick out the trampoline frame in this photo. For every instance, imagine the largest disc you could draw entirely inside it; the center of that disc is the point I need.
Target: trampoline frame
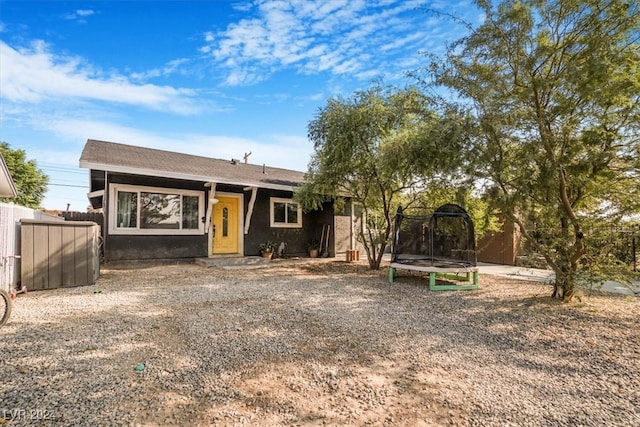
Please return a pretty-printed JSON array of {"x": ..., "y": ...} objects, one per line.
[{"x": 452, "y": 269}]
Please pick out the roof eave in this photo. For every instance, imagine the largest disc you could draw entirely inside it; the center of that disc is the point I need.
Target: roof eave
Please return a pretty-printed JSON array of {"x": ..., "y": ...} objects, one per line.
[{"x": 7, "y": 186}]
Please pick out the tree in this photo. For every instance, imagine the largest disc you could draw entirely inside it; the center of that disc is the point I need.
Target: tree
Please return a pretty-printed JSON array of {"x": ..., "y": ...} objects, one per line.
[
  {"x": 481, "y": 211},
  {"x": 555, "y": 90},
  {"x": 377, "y": 148},
  {"x": 30, "y": 181}
]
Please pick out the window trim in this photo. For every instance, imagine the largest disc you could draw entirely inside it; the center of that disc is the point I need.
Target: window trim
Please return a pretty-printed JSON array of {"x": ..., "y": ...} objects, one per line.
[
  {"x": 273, "y": 224},
  {"x": 113, "y": 210}
]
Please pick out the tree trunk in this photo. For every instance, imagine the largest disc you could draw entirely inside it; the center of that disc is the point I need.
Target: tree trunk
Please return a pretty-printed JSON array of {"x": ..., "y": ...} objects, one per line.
[
  {"x": 563, "y": 288},
  {"x": 374, "y": 258},
  {"x": 374, "y": 252},
  {"x": 566, "y": 269}
]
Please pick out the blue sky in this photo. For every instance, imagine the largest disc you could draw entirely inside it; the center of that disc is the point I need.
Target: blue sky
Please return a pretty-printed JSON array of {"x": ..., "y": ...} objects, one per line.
[{"x": 211, "y": 78}]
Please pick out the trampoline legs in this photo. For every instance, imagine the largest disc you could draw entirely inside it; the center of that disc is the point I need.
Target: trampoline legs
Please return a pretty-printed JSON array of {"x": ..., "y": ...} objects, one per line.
[{"x": 435, "y": 286}]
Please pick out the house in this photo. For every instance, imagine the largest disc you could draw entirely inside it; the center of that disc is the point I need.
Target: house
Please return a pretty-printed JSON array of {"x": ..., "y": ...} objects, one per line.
[
  {"x": 161, "y": 205},
  {"x": 7, "y": 187}
]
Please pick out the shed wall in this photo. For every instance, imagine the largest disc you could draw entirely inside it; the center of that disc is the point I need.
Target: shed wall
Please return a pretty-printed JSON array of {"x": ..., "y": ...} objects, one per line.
[
  {"x": 59, "y": 254},
  {"x": 10, "y": 216}
]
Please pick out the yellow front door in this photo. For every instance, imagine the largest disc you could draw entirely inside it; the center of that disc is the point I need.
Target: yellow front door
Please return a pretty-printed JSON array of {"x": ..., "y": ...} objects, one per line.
[{"x": 224, "y": 222}]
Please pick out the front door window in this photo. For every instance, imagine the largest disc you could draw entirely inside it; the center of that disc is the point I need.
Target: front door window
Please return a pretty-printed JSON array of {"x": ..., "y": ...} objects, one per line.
[{"x": 225, "y": 222}]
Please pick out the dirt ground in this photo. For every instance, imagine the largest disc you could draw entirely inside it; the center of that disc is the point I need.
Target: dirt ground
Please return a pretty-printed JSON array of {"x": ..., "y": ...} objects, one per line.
[{"x": 317, "y": 343}]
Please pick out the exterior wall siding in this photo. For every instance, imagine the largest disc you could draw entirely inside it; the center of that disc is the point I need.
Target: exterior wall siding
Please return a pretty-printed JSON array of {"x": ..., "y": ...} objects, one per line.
[
  {"x": 294, "y": 239},
  {"x": 127, "y": 248},
  {"x": 150, "y": 247}
]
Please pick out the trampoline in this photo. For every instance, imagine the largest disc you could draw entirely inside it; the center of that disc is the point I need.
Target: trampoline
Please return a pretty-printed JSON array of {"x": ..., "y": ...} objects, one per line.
[{"x": 441, "y": 244}]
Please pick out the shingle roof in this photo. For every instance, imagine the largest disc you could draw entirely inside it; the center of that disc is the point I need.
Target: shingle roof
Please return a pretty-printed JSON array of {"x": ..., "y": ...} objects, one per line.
[{"x": 114, "y": 157}]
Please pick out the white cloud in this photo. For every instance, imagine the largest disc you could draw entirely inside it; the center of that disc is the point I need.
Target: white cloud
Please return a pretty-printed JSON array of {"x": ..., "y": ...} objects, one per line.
[
  {"x": 79, "y": 15},
  {"x": 368, "y": 75},
  {"x": 403, "y": 41},
  {"x": 34, "y": 74},
  {"x": 244, "y": 77},
  {"x": 319, "y": 36},
  {"x": 242, "y": 6},
  {"x": 84, "y": 12},
  {"x": 171, "y": 67}
]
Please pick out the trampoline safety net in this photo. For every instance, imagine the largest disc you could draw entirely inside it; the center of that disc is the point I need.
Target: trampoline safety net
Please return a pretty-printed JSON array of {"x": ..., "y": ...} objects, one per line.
[{"x": 444, "y": 238}]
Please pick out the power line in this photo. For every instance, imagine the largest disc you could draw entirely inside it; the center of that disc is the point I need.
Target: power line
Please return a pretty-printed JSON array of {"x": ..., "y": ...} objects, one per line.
[
  {"x": 63, "y": 170},
  {"x": 56, "y": 180},
  {"x": 69, "y": 185},
  {"x": 57, "y": 165}
]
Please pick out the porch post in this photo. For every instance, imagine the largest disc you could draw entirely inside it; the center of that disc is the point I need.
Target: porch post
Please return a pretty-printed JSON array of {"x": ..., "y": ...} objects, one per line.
[
  {"x": 252, "y": 201},
  {"x": 207, "y": 221}
]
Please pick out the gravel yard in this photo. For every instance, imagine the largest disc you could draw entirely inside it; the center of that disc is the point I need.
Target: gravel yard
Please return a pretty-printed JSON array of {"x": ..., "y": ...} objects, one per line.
[{"x": 316, "y": 342}]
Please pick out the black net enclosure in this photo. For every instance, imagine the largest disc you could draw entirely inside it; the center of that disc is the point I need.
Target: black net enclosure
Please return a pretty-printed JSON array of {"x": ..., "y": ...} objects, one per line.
[{"x": 444, "y": 238}]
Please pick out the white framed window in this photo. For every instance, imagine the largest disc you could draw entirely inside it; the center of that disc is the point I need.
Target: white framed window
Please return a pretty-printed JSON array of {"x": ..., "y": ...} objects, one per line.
[
  {"x": 285, "y": 213},
  {"x": 150, "y": 210}
]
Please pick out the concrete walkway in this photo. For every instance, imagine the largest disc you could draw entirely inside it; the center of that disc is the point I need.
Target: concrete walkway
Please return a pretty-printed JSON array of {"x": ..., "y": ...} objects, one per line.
[{"x": 547, "y": 276}]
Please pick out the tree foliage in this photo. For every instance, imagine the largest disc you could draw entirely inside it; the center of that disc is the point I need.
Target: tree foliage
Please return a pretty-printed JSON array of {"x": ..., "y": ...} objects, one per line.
[
  {"x": 31, "y": 182},
  {"x": 480, "y": 210},
  {"x": 554, "y": 87},
  {"x": 380, "y": 148}
]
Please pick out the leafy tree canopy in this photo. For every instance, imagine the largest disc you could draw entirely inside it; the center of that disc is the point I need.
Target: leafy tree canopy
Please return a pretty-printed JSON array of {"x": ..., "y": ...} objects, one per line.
[
  {"x": 554, "y": 87},
  {"x": 380, "y": 147},
  {"x": 30, "y": 181}
]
